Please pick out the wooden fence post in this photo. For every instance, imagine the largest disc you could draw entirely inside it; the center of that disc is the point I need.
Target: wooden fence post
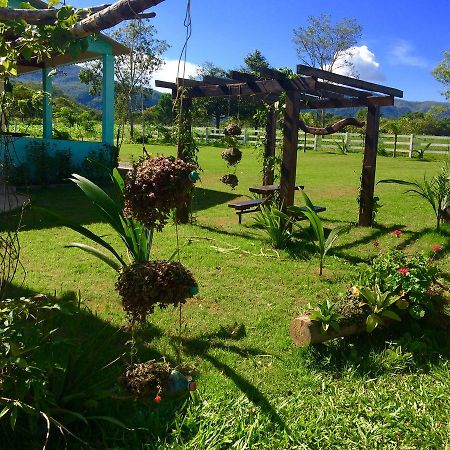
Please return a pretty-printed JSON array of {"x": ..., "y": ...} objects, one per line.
[
  {"x": 206, "y": 134},
  {"x": 315, "y": 142},
  {"x": 245, "y": 135},
  {"x": 369, "y": 167},
  {"x": 411, "y": 145}
]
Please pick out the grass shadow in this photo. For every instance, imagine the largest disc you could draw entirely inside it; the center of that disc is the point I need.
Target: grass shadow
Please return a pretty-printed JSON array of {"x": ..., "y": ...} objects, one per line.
[
  {"x": 410, "y": 347},
  {"x": 208, "y": 198},
  {"x": 68, "y": 201},
  {"x": 200, "y": 347}
]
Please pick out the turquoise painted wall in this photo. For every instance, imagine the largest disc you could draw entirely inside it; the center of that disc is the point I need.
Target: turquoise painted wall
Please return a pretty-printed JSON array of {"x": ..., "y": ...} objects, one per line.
[{"x": 31, "y": 157}]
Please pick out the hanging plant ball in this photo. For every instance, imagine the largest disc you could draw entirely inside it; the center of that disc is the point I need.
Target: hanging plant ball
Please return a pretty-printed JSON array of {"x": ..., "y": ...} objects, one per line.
[
  {"x": 156, "y": 379},
  {"x": 144, "y": 285},
  {"x": 231, "y": 179},
  {"x": 232, "y": 129},
  {"x": 155, "y": 186},
  {"x": 232, "y": 155},
  {"x": 147, "y": 379}
]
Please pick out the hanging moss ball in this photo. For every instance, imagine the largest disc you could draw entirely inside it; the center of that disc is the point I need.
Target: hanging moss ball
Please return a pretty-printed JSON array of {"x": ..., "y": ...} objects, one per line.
[
  {"x": 154, "y": 187},
  {"x": 231, "y": 179},
  {"x": 147, "y": 379},
  {"x": 232, "y": 129},
  {"x": 144, "y": 285},
  {"x": 232, "y": 155}
]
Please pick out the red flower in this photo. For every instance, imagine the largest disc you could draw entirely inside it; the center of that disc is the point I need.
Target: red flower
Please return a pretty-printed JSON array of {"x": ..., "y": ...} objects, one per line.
[
  {"x": 430, "y": 292},
  {"x": 157, "y": 399},
  {"x": 403, "y": 271},
  {"x": 436, "y": 248},
  {"x": 397, "y": 233}
]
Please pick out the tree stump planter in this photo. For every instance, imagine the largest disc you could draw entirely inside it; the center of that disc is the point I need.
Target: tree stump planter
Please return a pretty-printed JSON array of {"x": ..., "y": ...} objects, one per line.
[{"x": 305, "y": 331}]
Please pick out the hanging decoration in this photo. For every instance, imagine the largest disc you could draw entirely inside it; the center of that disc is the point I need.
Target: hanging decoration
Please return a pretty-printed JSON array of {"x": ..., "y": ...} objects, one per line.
[
  {"x": 155, "y": 186},
  {"x": 144, "y": 285},
  {"x": 157, "y": 380},
  {"x": 232, "y": 156}
]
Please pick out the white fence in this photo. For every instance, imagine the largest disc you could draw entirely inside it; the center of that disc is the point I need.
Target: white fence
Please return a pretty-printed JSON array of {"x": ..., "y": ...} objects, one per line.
[{"x": 408, "y": 144}]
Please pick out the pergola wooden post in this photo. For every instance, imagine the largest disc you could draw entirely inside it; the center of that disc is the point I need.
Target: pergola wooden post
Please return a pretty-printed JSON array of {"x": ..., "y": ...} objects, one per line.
[
  {"x": 290, "y": 146},
  {"x": 369, "y": 167},
  {"x": 311, "y": 89},
  {"x": 270, "y": 145}
]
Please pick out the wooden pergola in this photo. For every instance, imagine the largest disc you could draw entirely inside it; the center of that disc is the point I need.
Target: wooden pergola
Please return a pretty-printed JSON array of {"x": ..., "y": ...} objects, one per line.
[{"x": 310, "y": 89}]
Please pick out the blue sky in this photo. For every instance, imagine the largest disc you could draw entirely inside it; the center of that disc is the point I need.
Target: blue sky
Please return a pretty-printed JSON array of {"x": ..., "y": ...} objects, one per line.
[{"x": 402, "y": 41}]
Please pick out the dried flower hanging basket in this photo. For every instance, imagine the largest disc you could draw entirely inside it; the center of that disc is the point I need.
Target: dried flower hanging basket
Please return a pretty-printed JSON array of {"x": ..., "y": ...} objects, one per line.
[
  {"x": 155, "y": 186},
  {"x": 145, "y": 285},
  {"x": 231, "y": 179},
  {"x": 232, "y": 129},
  {"x": 146, "y": 379},
  {"x": 232, "y": 155}
]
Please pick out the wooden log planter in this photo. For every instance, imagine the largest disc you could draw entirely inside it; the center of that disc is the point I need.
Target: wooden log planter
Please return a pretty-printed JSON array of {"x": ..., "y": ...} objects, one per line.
[{"x": 305, "y": 331}]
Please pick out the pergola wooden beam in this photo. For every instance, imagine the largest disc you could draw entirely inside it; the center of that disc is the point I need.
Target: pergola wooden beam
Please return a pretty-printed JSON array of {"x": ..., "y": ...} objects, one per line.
[
  {"x": 207, "y": 79},
  {"x": 329, "y": 87},
  {"x": 348, "y": 102},
  {"x": 348, "y": 81}
]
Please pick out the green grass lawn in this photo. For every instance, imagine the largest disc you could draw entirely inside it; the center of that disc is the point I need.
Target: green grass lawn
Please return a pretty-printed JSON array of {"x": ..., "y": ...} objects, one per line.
[{"x": 256, "y": 390}]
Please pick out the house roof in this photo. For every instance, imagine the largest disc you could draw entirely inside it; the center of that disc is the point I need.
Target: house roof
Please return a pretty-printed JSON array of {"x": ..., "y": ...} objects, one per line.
[{"x": 94, "y": 51}]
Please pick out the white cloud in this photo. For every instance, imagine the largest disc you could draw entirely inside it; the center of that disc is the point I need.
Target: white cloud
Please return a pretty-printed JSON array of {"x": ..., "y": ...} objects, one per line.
[
  {"x": 403, "y": 53},
  {"x": 364, "y": 64},
  {"x": 168, "y": 72}
]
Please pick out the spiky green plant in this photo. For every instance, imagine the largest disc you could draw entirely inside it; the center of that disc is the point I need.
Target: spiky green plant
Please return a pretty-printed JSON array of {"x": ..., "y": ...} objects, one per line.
[
  {"x": 276, "y": 224},
  {"x": 322, "y": 243},
  {"x": 136, "y": 238},
  {"x": 435, "y": 191}
]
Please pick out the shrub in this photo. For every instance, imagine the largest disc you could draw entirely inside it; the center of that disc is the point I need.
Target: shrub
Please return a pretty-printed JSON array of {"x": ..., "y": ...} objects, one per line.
[{"x": 408, "y": 277}]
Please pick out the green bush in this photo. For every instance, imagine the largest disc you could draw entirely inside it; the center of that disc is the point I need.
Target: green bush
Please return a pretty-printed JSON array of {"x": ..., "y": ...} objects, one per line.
[{"x": 408, "y": 277}]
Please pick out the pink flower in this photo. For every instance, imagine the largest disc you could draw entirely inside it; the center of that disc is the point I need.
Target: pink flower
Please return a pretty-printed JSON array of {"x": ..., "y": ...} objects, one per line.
[
  {"x": 403, "y": 271},
  {"x": 397, "y": 233},
  {"x": 436, "y": 248}
]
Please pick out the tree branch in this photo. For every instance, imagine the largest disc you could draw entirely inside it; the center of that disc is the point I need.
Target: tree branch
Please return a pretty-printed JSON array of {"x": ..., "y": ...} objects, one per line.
[{"x": 92, "y": 21}]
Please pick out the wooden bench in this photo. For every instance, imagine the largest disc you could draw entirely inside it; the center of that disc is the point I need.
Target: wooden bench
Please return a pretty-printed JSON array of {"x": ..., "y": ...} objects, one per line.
[
  {"x": 248, "y": 206},
  {"x": 317, "y": 209}
]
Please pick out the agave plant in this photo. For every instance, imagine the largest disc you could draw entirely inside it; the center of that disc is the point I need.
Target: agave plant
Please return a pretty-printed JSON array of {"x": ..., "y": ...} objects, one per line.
[
  {"x": 275, "y": 223},
  {"x": 435, "y": 191},
  {"x": 326, "y": 314},
  {"x": 380, "y": 304},
  {"x": 323, "y": 243},
  {"x": 136, "y": 238}
]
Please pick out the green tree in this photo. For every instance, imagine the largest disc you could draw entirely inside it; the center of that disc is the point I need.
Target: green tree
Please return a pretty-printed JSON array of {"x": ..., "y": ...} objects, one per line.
[
  {"x": 163, "y": 111},
  {"x": 327, "y": 45},
  {"x": 254, "y": 62},
  {"x": 442, "y": 74},
  {"x": 133, "y": 70},
  {"x": 216, "y": 108}
]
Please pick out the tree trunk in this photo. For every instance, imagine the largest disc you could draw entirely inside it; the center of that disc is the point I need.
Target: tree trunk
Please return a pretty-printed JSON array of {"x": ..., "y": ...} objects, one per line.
[
  {"x": 305, "y": 331},
  {"x": 217, "y": 121}
]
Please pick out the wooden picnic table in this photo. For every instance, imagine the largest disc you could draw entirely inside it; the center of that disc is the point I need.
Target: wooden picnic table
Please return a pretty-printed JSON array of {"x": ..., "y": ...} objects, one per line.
[{"x": 269, "y": 188}]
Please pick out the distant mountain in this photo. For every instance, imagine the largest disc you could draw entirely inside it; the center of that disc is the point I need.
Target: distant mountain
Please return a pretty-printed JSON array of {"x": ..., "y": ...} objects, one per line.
[
  {"x": 68, "y": 81},
  {"x": 400, "y": 108}
]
